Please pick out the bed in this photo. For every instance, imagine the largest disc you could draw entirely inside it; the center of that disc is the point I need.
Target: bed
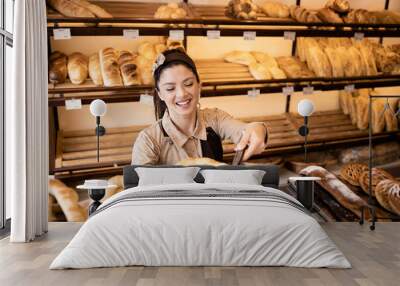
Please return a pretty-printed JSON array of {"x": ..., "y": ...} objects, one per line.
[{"x": 201, "y": 224}]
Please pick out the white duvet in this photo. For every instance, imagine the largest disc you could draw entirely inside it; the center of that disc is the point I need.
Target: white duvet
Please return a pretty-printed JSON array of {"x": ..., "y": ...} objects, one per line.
[{"x": 269, "y": 229}]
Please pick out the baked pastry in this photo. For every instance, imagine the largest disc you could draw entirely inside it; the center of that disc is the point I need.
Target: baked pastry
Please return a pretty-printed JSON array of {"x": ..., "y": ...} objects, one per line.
[
  {"x": 337, "y": 189},
  {"x": 128, "y": 68},
  {"x": 351, "y": 172},
  {"x": 388, "y": 195},
  {"x": 57, "y": 67},
  {"x": 239, "y": 57},
  {"x": 264, "y": 58},
  {"x": 147, "y": 50},
  {"x": 67, "y": 198},
  {"x": 377, "y": 176},
  {"x": 170, "y": 11},
  {"x": 95, "y": 9},
  {"x": 199, "y": 161},
  {"x": 339, "y": 6},
  {"x": 241, "y": 9},
  {"x": 329, "y": 16},
  {"x": 77, "y": 68},
  {"x": 70, "y": 8},
  {"x": 109, "y": 67},
  {"x": 95, "y": 70},
  {"x": 275, "y": 10},
  {"x": 259, "y": 71}
]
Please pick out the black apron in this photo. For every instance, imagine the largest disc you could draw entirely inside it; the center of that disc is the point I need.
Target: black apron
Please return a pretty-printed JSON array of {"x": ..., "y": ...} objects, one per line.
[{"x": 211, "y": 148}]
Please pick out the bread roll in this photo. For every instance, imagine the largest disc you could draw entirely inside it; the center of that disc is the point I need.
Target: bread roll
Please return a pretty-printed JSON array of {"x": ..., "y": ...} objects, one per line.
[
  {"x": 57, "y": 67},
  {"x": 70, "y": 8},
  {"x": 377, "y": 176},
  {"x": 239, "y": 57},
  {"x": 77, "y": 68},
  {"x": 95, "y": 9},
  {"x": 339, "y": 6},
  {"x": 394, "y": 197},
  {"x": 336, "y": 188},
  {"x": 95, "y": 69},
  {"x": 259, "y": 71},
  {"x": 275, "y": 10},
  {"x": 241, "y": 9},
  {"x": 387, "y": 194},
  {"x": 329, "y": 16},
  {"x": 128, "y": 68},
  {"x": 351, "y": 172},
  {"x": 147, "y": 50},
  {"x": 67, "y": 198},
  {"x": 109, "y": 67}
]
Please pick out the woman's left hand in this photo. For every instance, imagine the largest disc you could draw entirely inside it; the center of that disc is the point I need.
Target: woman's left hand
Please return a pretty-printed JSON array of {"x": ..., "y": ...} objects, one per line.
[{"x": 254, "y": 136}]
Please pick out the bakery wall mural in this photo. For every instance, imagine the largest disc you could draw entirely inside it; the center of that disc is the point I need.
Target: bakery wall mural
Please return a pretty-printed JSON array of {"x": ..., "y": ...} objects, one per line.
[{"x": 256, "y": 62}]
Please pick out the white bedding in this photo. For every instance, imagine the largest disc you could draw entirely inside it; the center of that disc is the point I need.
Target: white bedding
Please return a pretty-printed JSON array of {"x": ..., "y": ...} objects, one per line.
[{"x": 266, "y": 230}]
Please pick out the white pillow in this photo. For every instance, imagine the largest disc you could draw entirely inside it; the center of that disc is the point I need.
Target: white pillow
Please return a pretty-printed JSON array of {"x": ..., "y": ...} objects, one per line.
[
  {"x": 164, "y": 176},
  {"x": 248, "y": 177}
]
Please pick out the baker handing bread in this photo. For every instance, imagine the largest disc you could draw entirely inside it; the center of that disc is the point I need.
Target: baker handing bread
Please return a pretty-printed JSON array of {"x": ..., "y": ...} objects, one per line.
[{"x": 183, "y": 130}]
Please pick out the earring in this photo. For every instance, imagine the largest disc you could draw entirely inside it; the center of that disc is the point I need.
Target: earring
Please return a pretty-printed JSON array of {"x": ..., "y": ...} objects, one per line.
[{"x": 198, "y": 105}]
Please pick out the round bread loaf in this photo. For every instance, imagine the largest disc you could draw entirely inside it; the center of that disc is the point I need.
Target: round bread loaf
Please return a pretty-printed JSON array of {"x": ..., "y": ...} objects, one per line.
[
  {"x": 382, "y": 191},
  {"x": 377, "y": 176},
  {"x": 351, "y": 172},
  {"x": 394, "y": 197}
]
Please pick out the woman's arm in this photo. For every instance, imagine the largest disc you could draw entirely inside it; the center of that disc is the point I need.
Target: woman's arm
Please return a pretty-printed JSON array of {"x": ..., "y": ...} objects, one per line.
[{"x": 145, "y": 151}]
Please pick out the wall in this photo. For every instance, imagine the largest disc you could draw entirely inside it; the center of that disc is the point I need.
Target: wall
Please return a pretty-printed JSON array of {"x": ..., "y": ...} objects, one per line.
[{"x": 135, "y": 113}]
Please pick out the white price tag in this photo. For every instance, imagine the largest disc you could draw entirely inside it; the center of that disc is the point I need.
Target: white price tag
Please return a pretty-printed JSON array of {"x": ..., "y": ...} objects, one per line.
[
  {"x": 287, "y": 90},
  {"x": 146, "y": 99},
  {"x": 62, "y": 34},
  {"x": 131, "y": 34},
  {"x": 73, "y": 104},
  {"x": 308, "y": 90},
  {"x": 289, "y": 35},
  {"x": 253, "y": 92},
  {"x": 358, "y": 36},
  {"x": 213, "y": 34},
  {"x": 176, "y": 35},
  {"x": 249, "y": 35},
  {"x": 349, "y": 88}
]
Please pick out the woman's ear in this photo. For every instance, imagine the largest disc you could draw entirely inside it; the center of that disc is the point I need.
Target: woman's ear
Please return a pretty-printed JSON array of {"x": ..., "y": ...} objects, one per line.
[{"x": 159, "y": 94}]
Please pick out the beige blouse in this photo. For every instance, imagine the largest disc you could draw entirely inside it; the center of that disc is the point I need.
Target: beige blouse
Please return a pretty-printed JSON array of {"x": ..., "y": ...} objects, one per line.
[{"x": 152, "y": 147}]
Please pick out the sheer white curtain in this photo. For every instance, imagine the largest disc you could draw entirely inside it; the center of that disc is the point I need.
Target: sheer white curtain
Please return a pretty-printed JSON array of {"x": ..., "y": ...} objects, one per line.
[{"x": 27, "y": 123}]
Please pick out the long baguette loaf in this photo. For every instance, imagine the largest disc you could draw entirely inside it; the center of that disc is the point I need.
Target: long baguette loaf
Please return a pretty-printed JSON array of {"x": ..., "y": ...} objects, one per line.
[
  {"x": 67, "y": 198},
  {"x": 77, "y": 68},
  {"x": 337, "y": 189},
  {"x": 95, "y": 9},
  {"x": 57, "y": 67},
  {"x": 128, "y": 68},
  {"x": 70, "y": 8},
  {"x": 335, "y": 62},
  {"x": 109, "y": 67},
  {"x": 95, "y": 70}
]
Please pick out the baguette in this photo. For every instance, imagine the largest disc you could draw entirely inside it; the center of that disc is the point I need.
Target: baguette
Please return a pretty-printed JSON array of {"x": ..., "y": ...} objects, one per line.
[
  {"x": 70, "y": 9},
  {"x": 340, "y": 191},
  {"x": 57, "y": 67},
  {"x": 67, "y": 198},
  {"x": 128, "y": 68},
  {"x": 95, "y": 70},
  {"x": 77, "y": 68},
  {"x": 109, "y": 67}
]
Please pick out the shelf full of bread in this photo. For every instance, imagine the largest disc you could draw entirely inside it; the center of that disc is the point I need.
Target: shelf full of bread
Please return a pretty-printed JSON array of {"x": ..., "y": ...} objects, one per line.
[
  {"x": 324, "y": 63},
  {"x": 336, "y": 18}
]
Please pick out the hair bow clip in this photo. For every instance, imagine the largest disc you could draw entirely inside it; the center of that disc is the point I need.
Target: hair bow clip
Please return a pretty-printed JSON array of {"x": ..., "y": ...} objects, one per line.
[{"x": 159, "y": 61}]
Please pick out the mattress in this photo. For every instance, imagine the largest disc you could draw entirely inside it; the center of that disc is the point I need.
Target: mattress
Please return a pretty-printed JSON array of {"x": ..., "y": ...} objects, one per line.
[{"x": 201, "y": 225}]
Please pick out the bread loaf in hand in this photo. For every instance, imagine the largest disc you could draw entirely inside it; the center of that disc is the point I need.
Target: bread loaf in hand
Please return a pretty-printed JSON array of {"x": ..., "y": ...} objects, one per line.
[
  {"x": 78, "y": 66},
  {"x": 70, "y": 8},
  {"x": 57, "y": 67},
  {"x": 128, "y": 68},
  {"x": 109, "y": 67},
  {"x": 95, "y": 70}
]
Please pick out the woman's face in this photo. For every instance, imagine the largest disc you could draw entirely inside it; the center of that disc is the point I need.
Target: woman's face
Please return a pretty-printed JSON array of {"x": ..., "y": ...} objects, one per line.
[{"x": 179, "y": 89}]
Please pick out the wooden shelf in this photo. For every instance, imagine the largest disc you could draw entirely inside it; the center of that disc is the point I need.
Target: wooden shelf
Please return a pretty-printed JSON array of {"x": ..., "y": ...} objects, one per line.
[
  {"x": 202, "y": 18},
  {"x": 76, "y": 150}
]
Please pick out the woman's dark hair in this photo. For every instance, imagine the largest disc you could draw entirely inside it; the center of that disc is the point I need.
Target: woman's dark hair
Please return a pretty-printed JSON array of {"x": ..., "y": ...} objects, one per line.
[{"x": 171, "y": 58}]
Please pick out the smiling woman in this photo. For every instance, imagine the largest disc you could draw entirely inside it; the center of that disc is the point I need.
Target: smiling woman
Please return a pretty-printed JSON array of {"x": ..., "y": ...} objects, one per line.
[{"x": 183, "y": 130}]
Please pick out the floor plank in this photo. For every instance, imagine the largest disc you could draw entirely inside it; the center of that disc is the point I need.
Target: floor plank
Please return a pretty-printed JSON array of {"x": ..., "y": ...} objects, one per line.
[{"x": 375, "y": 257}]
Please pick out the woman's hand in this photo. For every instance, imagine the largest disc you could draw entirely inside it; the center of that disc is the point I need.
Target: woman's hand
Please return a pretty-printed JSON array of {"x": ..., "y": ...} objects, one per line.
[{"x": 254, "y": 136}]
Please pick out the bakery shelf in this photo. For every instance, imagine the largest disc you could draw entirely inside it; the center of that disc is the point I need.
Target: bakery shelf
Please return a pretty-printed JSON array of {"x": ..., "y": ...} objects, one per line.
[
  {"x": 202, "y": 18},
  {"x": 76, "y": 150}
]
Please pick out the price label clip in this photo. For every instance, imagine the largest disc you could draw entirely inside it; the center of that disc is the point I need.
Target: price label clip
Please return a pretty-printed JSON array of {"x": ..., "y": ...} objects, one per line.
[
  {"x": 131, "y": 34},
  {"x": 358, "y": 36},
  {"x": 71, "y": 104},
  {"x": 289, "y": 35},
  {"x": 288, "y": 90},
  {"x": 253, "y": 92},
  {"x": 62, "y": 34},
  {"x": 308, "y": 90},
  {"x": 213, "y": 34},
  {"x": 349, "y": 88},
  {"x": 176, "y": 35},
  {"x": 146, "y": 98},
  {"x": 249, "y": 35}
]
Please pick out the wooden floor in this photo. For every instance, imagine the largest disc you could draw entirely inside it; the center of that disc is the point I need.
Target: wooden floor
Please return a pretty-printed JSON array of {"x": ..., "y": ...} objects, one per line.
[{"x": 375, "y": 257}]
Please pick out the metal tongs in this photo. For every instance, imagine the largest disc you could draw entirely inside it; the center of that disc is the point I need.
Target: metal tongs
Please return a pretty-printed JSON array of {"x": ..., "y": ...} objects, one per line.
[{"x": 237, "y": 159}]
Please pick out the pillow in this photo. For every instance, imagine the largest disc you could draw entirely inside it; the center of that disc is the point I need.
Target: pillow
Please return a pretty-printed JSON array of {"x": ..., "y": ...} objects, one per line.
[
  {"x": 248, "y": 177},
  {"x": 163, "y": 176}
]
